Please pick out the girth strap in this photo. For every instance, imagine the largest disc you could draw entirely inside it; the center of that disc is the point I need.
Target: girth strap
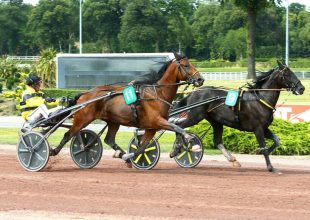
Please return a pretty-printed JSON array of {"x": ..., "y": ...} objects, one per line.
[{"x": 134, "y": 112}]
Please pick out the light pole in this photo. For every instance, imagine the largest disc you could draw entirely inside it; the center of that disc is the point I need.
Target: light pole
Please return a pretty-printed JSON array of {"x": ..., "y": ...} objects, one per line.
[
  {"x": 81, "y": 46},
  {"x": 286, "y": 35}
]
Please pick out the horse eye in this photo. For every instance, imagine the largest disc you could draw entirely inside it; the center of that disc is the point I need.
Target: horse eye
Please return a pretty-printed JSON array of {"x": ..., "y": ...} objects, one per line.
[{"x": 186, "y": 65}]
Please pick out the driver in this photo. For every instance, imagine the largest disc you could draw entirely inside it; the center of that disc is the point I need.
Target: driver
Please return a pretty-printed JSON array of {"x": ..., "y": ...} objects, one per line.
[{"x": 35, "y": 104}]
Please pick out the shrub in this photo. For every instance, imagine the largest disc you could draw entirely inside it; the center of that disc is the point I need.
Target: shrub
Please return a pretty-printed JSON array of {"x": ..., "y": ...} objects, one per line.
[
  {"x": 57, "y": 93},
  {"x": 294, "y": 138}
]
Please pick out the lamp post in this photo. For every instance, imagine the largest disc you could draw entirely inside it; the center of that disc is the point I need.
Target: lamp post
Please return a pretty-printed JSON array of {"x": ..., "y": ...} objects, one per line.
[
  {"x": 286, "y": 35},
  {"x": 81, "y": 46}
]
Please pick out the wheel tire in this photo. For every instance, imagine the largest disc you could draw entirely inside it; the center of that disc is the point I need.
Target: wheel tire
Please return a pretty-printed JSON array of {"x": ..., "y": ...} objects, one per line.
[
  {"x": 90, "y": 156},
  {"x": 189, "y": 159},
  {"x": 147, "y": 160},
  {"x": 33, "y": 151}
]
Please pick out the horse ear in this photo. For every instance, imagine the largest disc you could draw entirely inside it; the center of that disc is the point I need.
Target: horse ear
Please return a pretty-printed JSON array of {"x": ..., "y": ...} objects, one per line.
[
  {"x": 176, "y": 55},
  {"x": 280, "y": 64}
]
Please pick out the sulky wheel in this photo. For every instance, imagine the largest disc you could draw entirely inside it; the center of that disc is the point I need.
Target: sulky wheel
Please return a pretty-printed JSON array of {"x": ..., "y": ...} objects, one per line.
[
  {"x": 32, "y": 151},
  {"x": 187, "y": 158},
  {"x": 86, "y": 149},
  {"x": 149, "y": 158}
]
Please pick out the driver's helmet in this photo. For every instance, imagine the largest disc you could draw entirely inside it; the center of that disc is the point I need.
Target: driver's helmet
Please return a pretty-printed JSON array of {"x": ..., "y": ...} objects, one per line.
[{"x": 32, "y": 79}]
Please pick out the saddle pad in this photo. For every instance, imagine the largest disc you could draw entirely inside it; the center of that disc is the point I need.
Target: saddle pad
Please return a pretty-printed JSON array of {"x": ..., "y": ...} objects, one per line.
[
  {"x": 129, "y": 94},
  {"x": 231, "y": 98}
]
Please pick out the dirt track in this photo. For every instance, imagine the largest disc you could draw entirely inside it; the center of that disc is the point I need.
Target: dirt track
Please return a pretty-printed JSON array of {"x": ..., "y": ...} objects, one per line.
[{"x": 213, "y": 190}]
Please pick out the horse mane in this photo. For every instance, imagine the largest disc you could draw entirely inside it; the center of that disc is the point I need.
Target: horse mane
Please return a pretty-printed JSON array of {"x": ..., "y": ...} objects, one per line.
[
  {"x": 260, "y": 79},
  {"x": 152, "y": 77}
]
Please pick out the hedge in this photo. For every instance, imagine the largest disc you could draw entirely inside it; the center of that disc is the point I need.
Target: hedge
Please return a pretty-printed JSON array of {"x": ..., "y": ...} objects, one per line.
[
  {"x": 294, "y": 138},
  {"x": 57, "y": 93}
]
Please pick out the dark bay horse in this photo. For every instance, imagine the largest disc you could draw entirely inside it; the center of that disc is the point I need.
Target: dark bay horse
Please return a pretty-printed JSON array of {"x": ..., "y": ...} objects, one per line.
[
  {"x": 149, "y": 113},
  {"x": 255, "y": 114}
]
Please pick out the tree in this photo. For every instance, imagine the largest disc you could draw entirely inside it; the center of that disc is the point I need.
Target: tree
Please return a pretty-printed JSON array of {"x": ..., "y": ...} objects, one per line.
[
  {"x": 299, "y": 34},
  {"x": 232, "y": 46},
  {"x": 46, "y": 67},
  {"x": 252, "y": 7},
  {"x": 270, "y": 39},
  {"x": 202, "y": 27},
  {"x": 13, "y": 19},
  {"x": 54, "y": 23},
  {"x": 142, "y": 27},
  {"x": 102, "y": 21},
  {"x": 179, "y": 32}
]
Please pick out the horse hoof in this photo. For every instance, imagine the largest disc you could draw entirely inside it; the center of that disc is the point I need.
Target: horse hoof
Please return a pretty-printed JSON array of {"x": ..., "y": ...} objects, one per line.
[
  {"x": 273, "y": 170},
  {"x": 128, "y": 164},
  {"x": 276, "y": 171},
  {"x": 196, "y": 148},
  {"x": 236, "y": 164},
  {"x": 52, "y": 152},
  {"x": 128, "y": 156},
  {"x": 117, "y": 154},
  {"x": 172, "y": 154}
]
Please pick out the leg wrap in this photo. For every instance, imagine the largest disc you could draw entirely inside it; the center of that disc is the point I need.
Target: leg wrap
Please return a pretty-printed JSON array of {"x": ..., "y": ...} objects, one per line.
[
  {"x": 226, "y": 153},
  {"x": 117, "y": 148}
]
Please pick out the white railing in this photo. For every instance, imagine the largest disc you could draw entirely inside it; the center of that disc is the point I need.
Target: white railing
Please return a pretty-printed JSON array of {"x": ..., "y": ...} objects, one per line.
[
  {"x": 225, "y": 76},
  {"x": 23, "y": 58}
]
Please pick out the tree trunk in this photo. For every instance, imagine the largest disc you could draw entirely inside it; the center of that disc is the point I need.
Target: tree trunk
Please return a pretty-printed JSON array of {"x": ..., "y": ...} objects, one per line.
[{"x": 251, "y": 43}]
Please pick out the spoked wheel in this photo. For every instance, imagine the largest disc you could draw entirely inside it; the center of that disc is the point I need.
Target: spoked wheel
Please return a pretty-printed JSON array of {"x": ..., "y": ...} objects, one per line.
[
  {"x": 187, "y": 158},
  {"x": 86, "y": 149},
  {"x": 149, "y": 158},
  {"x": 33, "y": 151}
]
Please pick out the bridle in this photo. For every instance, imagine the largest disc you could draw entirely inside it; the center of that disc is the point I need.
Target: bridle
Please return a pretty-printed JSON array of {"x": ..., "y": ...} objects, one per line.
[
  {"x": 289, "y": 84},
  {"x": 185, "y": 74}
]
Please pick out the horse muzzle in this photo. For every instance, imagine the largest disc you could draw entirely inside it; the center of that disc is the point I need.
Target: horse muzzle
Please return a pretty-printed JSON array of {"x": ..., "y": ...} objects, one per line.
[
  {"x": 299, "y": 90},
  {"x": 198, "y": 82}
]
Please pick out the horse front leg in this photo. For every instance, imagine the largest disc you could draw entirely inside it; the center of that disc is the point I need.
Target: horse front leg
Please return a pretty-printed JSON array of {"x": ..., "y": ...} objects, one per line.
[
  {"x": 260, "y": 136},
  {"x": 110, "y": 140},
  {"x": 218, "y": 142},
  {"x": 144, "y": 142},
  {"x": 276, "y": 140},
  {"x": 189, "y": 121}
]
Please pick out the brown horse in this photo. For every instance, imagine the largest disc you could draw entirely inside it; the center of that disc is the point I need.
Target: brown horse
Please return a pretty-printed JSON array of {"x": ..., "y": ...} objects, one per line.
[{"x": 149, "y": 113}]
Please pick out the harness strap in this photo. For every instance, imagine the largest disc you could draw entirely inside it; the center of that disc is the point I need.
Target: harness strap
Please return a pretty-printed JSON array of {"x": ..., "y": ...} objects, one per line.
[
  {"x": 240, "y": 97},
  {"x": 135, "y": 112},
  {"x": 267, "y": 104}
]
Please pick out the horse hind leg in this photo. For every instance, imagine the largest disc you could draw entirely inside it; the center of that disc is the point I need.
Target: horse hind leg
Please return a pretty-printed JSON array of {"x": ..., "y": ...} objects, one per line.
[
  {"x": 75, "y": 128},
  {"x": 110, "y": 140},
  {"x": 177, "y": 146},
  {"x": 218, "y": 142}
]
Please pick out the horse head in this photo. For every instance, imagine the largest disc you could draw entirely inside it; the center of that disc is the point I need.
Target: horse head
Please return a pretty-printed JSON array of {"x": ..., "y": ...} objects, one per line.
[
  {"x": 290, "y": 80},
  {"x": 187, "y": 71}
]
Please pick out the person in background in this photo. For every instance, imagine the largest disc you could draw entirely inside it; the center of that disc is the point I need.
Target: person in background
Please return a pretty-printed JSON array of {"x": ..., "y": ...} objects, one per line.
[{"x": 35, "y": 105}]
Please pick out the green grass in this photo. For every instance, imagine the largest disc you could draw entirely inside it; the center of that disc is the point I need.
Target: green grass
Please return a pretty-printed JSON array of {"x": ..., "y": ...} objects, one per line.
[{"x": 10, "y": 136}]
